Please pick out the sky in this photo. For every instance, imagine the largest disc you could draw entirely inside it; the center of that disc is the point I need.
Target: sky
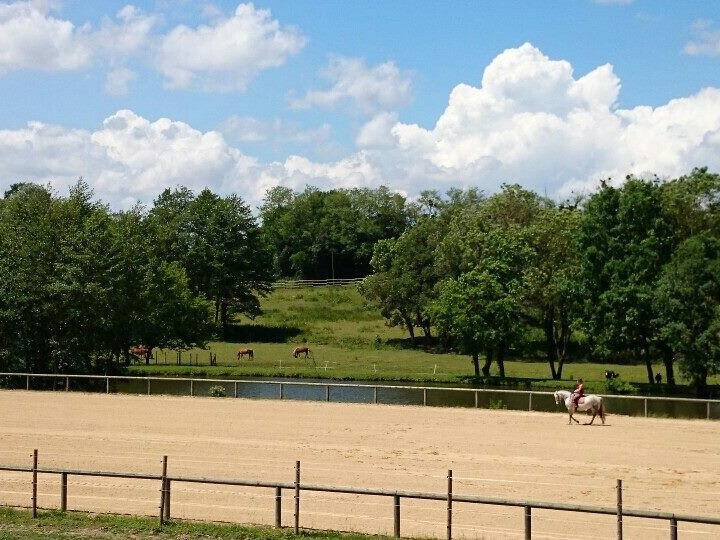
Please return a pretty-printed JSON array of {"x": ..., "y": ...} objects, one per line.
[{"x": 413, "y": 95}]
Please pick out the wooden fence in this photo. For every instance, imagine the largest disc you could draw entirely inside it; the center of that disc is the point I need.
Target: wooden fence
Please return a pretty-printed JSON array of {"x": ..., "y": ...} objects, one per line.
[
  {"x": 378, "y": 393},
  {"x": 300, "y": 283},
  {"x": 166, "y": 482}
]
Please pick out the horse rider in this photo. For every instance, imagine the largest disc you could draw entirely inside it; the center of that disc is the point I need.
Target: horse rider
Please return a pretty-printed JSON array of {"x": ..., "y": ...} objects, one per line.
[{"x": 578, "y": 392}]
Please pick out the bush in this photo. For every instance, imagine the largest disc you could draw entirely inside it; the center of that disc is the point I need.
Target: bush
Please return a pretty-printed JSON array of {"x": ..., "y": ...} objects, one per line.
[
  {"x": 616, "y": 386},
  {"x": 218, "y": 391}
]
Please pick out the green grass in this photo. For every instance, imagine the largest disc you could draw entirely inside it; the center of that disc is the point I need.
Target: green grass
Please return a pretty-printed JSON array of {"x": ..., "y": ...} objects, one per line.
[
  {"x": 77, "y": 525},
  {"x": 349, "y": 340}
]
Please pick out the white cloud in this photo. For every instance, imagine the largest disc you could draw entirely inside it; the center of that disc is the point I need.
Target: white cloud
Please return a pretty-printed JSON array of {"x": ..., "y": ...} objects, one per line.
[
  {"x": 707, "y": 39},
  {"x": 128, "y": 34},
  {"x": 382, "y": 87},
  {"x": 249, "y": 129},
  {"x": 31, "y": 38},
  {"x": 227, "y": 54},
  {"x": 530, "y": 121},
  {"x": 118, "y": 81}
]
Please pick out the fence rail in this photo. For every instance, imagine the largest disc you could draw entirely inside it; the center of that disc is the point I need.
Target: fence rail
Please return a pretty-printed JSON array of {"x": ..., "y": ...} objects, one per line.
[
  {"x": 299, "y": 283},
  {"x": 167, "y": 480},
  {"x": 529, "y": 400}
]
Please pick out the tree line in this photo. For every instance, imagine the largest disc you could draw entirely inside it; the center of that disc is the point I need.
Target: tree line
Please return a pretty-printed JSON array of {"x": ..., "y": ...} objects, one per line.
[{"x": 631, "y": 273}]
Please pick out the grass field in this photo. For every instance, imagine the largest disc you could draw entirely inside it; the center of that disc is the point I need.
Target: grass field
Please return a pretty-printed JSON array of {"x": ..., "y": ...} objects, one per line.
[
  {"x": 349, "y": 340},
  {"x": 58, "y": 526}
]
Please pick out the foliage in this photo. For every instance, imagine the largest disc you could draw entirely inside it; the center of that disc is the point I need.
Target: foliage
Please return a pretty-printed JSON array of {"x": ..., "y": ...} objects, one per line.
[
  {"x": 314, "y": 234},
  {"x": 218, "y": 243},
  {"x": 218, "y": 391},
  {"x": 626, "y": 239},
  {"x": 688, "y": 304}
]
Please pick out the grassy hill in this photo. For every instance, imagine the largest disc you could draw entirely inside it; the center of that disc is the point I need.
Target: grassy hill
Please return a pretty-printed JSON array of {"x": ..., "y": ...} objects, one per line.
[{"x": 349, "y": 340}]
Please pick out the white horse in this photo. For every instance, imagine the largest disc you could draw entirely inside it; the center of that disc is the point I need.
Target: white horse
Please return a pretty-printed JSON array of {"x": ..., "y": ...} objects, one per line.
[{"x": 590, "y": 403}]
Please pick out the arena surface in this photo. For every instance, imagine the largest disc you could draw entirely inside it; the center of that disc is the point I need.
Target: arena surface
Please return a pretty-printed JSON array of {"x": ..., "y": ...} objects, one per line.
[{"x": 668, "y": 465}]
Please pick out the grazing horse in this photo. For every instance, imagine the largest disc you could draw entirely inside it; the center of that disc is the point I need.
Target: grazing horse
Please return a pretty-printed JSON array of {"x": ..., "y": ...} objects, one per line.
[
  {"x": 141, "y": 351},
  {"x": 590, "y": 403},
  {"x": 297, "y": 351},
  {"x": 243, "y": 352},
  {"x": 610, "y": 374}
]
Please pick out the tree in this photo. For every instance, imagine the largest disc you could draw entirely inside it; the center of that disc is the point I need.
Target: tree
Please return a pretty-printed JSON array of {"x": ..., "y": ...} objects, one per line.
[
  {"x": 625, "y": 238},
  {"x": 687, "y": 301},
  {"x": 552, "y": 285},
  {"x": 479, "y": 315}
]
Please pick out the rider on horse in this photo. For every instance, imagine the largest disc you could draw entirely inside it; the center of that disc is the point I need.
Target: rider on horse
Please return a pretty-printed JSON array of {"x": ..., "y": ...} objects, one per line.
[{"x": 578, "y": 392}]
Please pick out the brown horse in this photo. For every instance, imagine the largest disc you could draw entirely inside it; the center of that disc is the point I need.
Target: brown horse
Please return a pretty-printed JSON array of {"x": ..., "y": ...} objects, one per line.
[
  {"x": 243, "y": 352},
  {"x": 139, "y": 350},
  {"x": 297, "y": 351}
]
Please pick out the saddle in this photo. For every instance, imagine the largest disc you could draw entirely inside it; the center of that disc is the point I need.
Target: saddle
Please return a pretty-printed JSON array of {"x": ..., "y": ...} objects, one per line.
[{"x": 579, "y": 401}]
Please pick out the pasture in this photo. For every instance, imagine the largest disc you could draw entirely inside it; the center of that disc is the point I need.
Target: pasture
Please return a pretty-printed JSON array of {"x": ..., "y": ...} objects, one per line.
[
  {"x": 492, "y": 453},
  {"x": 349, "y": 340}
]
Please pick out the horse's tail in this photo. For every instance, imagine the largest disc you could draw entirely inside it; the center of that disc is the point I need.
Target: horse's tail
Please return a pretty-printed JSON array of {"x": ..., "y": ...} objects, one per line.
[{"x": 602, "y": 410}]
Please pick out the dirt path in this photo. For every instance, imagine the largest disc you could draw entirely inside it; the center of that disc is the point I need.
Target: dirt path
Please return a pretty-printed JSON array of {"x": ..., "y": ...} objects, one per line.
[{"x": 669, "y": 465}]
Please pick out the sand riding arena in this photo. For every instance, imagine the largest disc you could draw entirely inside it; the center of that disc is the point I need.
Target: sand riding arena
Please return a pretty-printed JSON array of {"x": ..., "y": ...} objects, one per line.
[{"x": 666, "y": 465}]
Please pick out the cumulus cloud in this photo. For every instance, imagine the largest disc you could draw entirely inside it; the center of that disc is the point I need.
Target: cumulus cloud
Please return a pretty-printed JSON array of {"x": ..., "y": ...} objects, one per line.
[
  {"x": 31, "y": 38},
  {"x": 382, "y": 87},
  {"x": 707, "y": 39},
  {"x": 531, "y": 120},
  {"x": 249, "y": 129},
  {"x": 228, "y": 53}
]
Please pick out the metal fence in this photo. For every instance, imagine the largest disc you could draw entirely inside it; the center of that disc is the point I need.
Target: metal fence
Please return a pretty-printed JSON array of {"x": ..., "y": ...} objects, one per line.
[
  {"x": 166, "y": 482},
  {"x": 438, "y": 396},
  {"x": 301, "y": 283}
]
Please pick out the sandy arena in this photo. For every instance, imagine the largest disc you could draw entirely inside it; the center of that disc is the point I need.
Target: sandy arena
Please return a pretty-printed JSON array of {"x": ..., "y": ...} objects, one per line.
[{"x": 668, "y": 465}]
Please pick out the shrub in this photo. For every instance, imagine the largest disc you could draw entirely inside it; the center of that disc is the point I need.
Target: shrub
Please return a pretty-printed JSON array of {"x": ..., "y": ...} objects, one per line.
[
  {"x": 616, "y": 386},
  {"x": 218, "y": 391}
]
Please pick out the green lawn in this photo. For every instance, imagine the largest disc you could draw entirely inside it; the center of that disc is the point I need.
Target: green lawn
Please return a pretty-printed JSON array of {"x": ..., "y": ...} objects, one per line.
[
  {"x": 349, "y": 340},
  {"x": 77, "y": 525}
]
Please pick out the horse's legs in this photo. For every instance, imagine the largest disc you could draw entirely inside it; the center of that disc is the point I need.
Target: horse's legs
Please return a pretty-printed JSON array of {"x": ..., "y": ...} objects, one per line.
[{"x": 592, "y": 419}]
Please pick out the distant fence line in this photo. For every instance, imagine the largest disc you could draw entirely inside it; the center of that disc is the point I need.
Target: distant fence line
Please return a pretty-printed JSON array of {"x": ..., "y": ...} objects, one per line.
[
  {"x": 166, "y": 481},
  {"x": 301, "y": 283},
  {"x": 438, "y": 396}
]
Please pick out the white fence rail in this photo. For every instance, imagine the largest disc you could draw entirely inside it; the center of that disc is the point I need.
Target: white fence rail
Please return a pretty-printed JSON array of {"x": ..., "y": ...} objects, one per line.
[{"x": 440, "y": 396}]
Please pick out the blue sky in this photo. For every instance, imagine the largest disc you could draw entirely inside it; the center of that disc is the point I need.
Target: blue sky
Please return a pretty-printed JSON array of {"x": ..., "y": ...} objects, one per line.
[{"x": 659, "y": 51}]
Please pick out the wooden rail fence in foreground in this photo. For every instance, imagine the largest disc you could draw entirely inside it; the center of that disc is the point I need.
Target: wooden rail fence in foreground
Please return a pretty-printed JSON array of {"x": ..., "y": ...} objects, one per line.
[
  {"x": 166, "y": 481},
  {"x": 523, "y": 399}
]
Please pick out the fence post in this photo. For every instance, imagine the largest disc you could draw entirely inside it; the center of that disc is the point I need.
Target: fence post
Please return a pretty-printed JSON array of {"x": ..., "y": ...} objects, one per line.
[
  {"x": 476, "y": 399},
  {"x": 278, "y": 507},
  {"x": 708, "y": 410},
  {"x": 396, "y": 515},
  {"x": 530, "y": 401},
  {"x": 281, "y": 390},
  {"x": 34, "y": 483},
  {"x": 297, "y": 497},
  {"x": 645, "y": 401},
  {"x": 235, "y": 388},
  {"x": 63, "y": 492},
  {"x": 619, "y": 510},
  {"x": 375, "y": 394},
  {"x": 449, "y": 505},
  {"x": 673, "y": 529},
  {"x": 424, "y": 396},
  {"x": 327, "y": 392},
  {"x": 27, "y": 383},
  {"x": 67, "y": 384},
  {"x": 162, "y": 491},
  {"x": 191, "y": 387},
  {"x": 148, "y": 385},
  {"x": 107, "y": 385},
  {"x": 528, "y": 523},
  {"x": 167, "y": 499}
]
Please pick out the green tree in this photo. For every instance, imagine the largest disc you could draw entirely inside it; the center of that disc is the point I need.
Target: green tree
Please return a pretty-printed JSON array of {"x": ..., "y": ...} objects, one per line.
[
  {"x": 477, "y": 312},
  {"x": 625, "y": 238},
  {"x": 687, "y": 301}
]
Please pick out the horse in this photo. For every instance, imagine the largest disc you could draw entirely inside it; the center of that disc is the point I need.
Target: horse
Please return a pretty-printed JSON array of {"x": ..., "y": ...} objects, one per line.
[
  {"x": 297, "y": 351},
  {"x": 590, "y": 403},
  {"x": 610, "y": 374},
  {"x": 141, "y": 351},
  {"x": 243, "y": 352}
]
